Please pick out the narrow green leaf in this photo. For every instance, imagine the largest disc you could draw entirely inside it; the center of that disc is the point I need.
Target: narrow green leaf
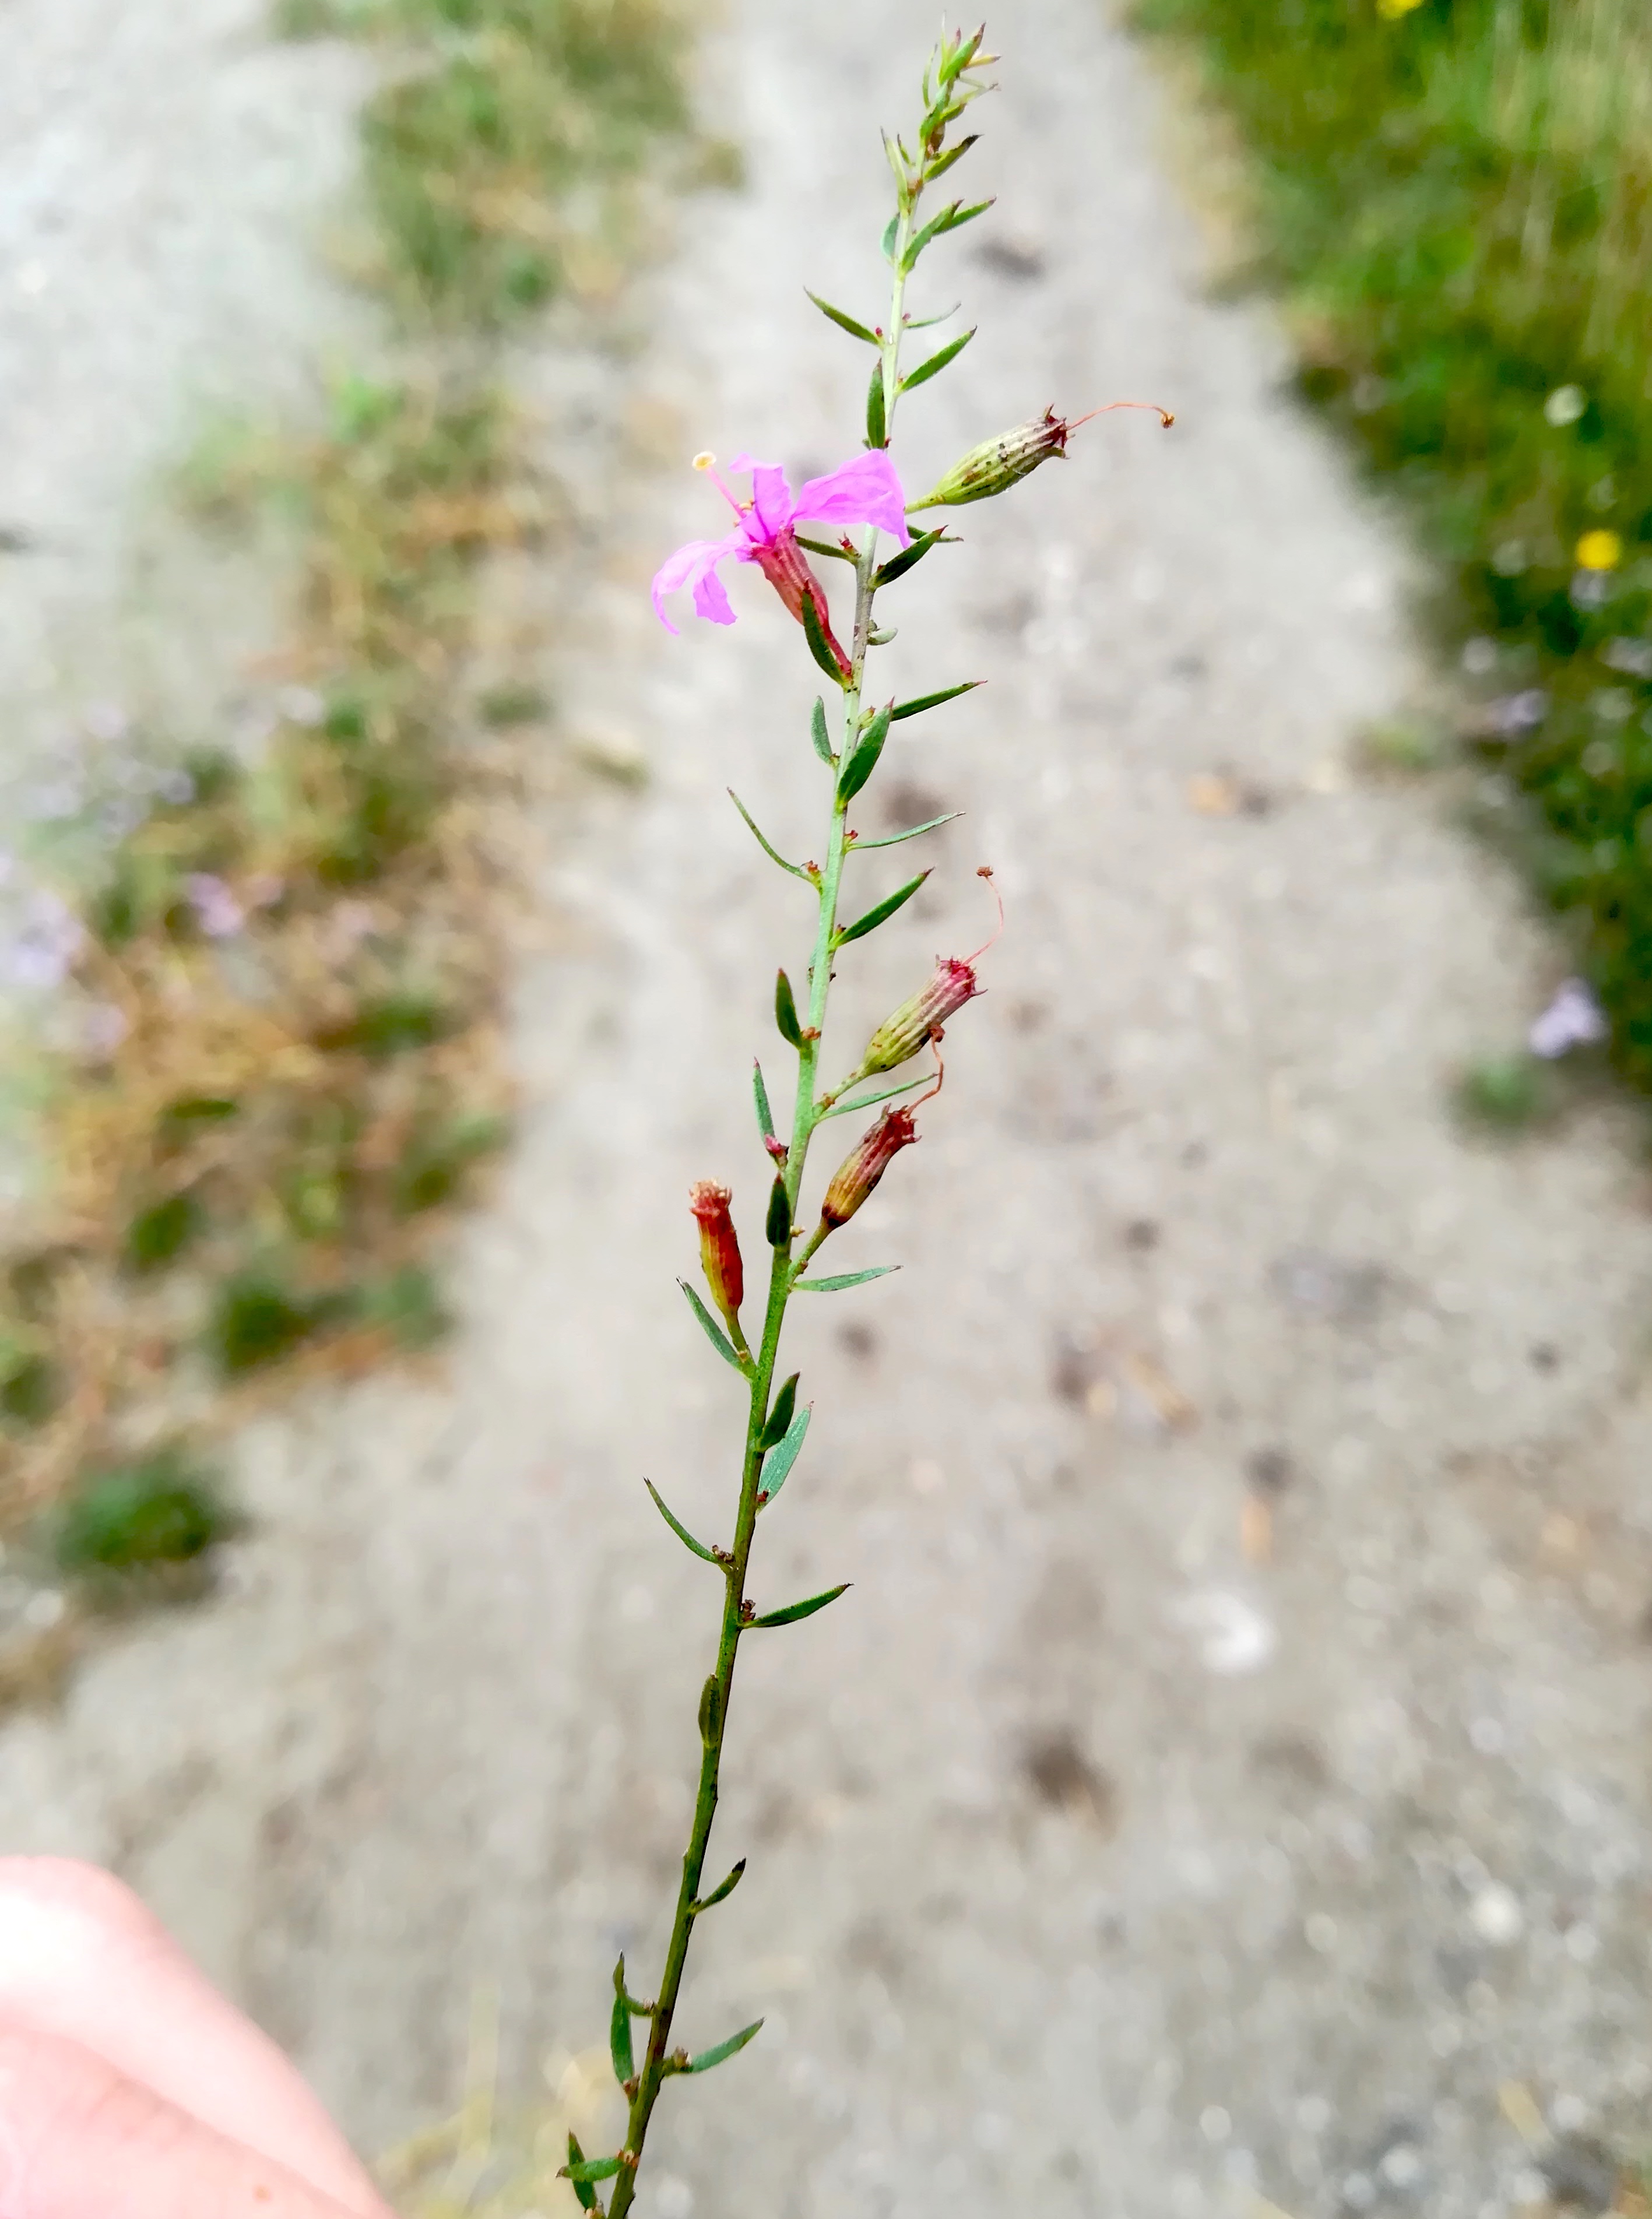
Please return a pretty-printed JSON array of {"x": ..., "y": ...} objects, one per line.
[
  {"x": 779, "y": 1462},
  {"x": 722, "y": 1892},
  {"x": 774, "y": 854},
  {"x": 786, "y": 1011},
  {"x": 877, "y": 424},
  {"x": 928, "y": 323},
  {"x": 592, "y": 2168},
  {"x": 825, "y": 547},
  {"x": 939, "y": 169},
  {"x": 586, "y": 2194},
  {"x": 932, "y": 700},
  {"x": 937, "y": 362},
  {"x": 760, "y": 1095},
  {"x": 712, "y": 1330},
  {"x": 863, "y": 756},
  {"x": 794, "y": 1611},
  {"x": 951, "y": 218},
  {"x": 902, "y": 182},
  {"x": 880, "y": 912},
  {"x": 778, "y": 1225},
  {"x": 619, "y": 2035},
  {"x": 962, "y": 53},
  {"x": 820, "y": 735},
  {"x": 708, "y": 2058},
  {"x": 779, "y": 1416},
  {"x": 841, "y": 1280},
  {"x": 815, "y": 632},
  {"x": 677, "y": 1528},
  {"x": 898, "y": 565},
  {"x": 891, "y": 233},
  {"x": 636, "y": 2009},
  {"x": 871, "y": 1102},
  {"x": 710, "y": 1705},
  {"x": 865, "y": 847},
  {"x": 844, "y": 323}
]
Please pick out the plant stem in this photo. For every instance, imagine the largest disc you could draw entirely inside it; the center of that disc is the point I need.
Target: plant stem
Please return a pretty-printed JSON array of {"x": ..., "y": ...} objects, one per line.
[{"x": 658, "y": 2063}]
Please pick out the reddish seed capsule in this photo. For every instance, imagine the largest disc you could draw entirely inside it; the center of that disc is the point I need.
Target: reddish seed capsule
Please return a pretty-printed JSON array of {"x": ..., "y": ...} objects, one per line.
[
  {"x": 902, "y": 1034},
  {"x": 866, "y": 1164},
  {"x": 719, "y": 1245}
]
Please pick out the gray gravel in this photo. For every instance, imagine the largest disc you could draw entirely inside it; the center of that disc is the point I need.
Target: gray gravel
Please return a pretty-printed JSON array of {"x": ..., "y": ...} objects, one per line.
[
  {"x": 166, "y": 170},
  {"x": 1097, "y": 1863}
]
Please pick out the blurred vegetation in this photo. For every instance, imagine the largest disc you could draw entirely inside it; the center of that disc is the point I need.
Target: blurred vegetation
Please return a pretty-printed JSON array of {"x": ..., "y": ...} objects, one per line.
[
  {"x": 291, "y": 961},
  {"x": 1455, "y": 197},
  {"x": 496, "y": 153},
  {"x": 156, "y": 1511}
]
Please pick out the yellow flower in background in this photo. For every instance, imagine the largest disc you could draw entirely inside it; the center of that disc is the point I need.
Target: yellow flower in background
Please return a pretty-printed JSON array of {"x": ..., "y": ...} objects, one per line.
[
  {"x": 1599, "y": 550},
  {"x": 1392, "y": 10}
]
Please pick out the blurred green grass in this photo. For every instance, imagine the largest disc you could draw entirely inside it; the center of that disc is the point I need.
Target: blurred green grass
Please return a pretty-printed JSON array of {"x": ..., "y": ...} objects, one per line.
[
  {"x": 496, "y": 153},
  {"x": 1455, "y": 196}
]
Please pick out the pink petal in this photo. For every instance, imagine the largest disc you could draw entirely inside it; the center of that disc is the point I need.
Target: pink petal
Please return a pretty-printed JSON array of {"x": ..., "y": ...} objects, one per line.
[
  {"x": 710, "y": 601},
  {"x": 771, "y": 496},
  {"x": 695, "y": 565},
  {"x": 864, "y": 491}
]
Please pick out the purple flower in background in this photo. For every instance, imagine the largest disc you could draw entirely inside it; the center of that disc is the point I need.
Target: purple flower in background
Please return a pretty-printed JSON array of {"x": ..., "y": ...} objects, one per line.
[
  {"x": 864, "y": 491},
  {"x": 218, "y": 913},
  {"x": 1573, "y": 1019},
  {"x": 37, "y": 954}
]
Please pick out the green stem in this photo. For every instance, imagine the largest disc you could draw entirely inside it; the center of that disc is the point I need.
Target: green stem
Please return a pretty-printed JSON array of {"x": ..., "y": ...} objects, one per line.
[{"x": 657, "y": 2064}]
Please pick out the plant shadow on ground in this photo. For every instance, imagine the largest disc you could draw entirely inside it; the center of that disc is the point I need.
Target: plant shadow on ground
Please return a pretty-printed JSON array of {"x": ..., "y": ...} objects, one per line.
[
  {"x": 1455, "y": 198},
  {"x": 291, "y": 966}
]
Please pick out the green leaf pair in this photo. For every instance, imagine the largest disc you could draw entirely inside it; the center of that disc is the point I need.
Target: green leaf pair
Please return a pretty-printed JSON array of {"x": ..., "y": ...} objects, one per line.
[
  {"x": 794, "y": 1611},
  {"x": 819, "y": 646},
  {"x": 708, "y": 2058},
  {"x": 862, "y": 757},
  {"x": 713, "y": 1331},
  {"x": 779, "y": 1416},
  {"x": 898, "y": 565},
  {"x": 619, "y": 2028},
  {"x": 721, "y": 1893},
  {"x": 878, "y": 914},
  {"x": 951, "y": 218},
  {"x": 677, "y": 1526},
  {"x": 583, "y": 2171},
  {"x": 778, "y": 1463},
  {"x": 841, "y": 1280},
  {"x": 937, "y": 362},
  {"x": 786, "y": 1011}
]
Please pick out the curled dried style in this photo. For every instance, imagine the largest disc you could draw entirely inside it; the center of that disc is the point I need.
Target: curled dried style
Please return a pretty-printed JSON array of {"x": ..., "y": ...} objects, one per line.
[{"x": 854, "y": 505}]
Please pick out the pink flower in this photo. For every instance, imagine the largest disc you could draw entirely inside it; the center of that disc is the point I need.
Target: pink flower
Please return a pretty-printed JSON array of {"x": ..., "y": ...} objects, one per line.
[{"x": 864, "y": 491}]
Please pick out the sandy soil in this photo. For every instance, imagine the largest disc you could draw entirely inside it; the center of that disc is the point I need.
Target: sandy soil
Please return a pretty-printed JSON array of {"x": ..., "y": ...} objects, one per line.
[{"x": 1229, "y": 1766}]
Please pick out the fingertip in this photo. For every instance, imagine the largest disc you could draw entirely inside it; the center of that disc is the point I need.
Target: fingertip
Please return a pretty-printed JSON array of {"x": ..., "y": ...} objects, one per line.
[
  {"x": 70, "y": 1884},
  {"x": 84, "y": 1960},
  {"x": 80, "y": 2139}
]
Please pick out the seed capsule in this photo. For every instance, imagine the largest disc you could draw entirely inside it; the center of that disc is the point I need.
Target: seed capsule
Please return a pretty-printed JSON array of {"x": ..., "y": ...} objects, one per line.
[
  {"x": 996, "y": 464},
  {"x": 904, "y": 1032},
  {"x": 866, "y": 1164},
  {"x": 719, "y": 1245}
]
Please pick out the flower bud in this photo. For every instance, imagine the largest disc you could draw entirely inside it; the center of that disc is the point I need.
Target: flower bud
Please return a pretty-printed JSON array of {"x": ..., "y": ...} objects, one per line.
[
  {"x": 997, "y": 464},
  {"x": 719, "y": 1245},
  {"x": 864, "y": 1165},
  {"x": 902, "y": 1034}
]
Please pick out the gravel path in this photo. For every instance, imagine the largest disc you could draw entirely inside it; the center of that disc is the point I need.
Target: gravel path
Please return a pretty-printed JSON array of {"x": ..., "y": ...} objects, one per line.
[
  {"x": 164, "y": 172},
  {"x": 1229, "y": 1766}
]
